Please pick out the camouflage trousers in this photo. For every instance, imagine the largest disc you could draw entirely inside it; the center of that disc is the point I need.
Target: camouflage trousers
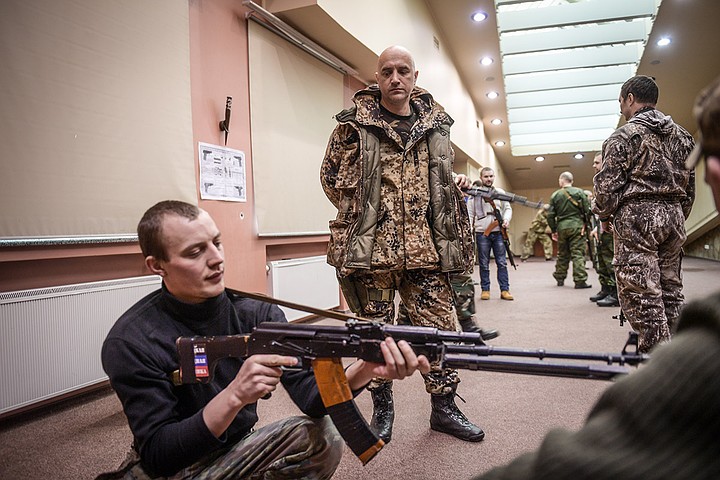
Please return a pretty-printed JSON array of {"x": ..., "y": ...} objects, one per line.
[
  {"x": 571, "y": 246},
  {"x": 529, "y": 246},
  {"x": 648, "y": 259},
  {"x": 605, "y": 254},
  {"x": 463, "y": 288},
  {"x": 426, "y": 295},
  {"x": 289, "y": 449}
]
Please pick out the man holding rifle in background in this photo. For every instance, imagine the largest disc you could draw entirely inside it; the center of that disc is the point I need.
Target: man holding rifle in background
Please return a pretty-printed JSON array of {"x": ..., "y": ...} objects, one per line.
[{"x": 491, "y": 234}]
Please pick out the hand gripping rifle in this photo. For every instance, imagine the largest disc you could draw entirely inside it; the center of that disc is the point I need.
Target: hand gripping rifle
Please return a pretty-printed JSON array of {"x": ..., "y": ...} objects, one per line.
[{"x": 321, "y": 348}]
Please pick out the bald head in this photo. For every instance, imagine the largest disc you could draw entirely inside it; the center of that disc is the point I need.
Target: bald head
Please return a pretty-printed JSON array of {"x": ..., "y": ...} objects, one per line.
[
  {"x": 395, "y": 51},
  {"x": 566, "y": 178}
]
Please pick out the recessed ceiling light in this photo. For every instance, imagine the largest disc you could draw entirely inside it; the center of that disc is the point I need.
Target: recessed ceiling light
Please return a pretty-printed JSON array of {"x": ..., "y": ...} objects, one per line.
[
  {"x": 579, "y": 156},
  {"x": 539, "y": 159},
  {"x": 664, "y": 41},
  {"x": 496, "y": 121},
  {"x": 492, "y": 95},
  {"x": 486, "y": 60},
  {"x": 499, "y": 143},
  {"x": 479, "y": 16}
]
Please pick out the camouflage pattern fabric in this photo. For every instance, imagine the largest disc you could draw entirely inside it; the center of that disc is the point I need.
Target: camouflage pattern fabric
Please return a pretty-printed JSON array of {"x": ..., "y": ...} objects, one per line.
[
  {"x": 428, "y": 298},
  {"x": 378, "y": 175},
  {"x": 644, "y": 184},
  {"x": 648, "y": 259},
  {"x": 571, "y": 246},
  {"x": 645, "y": 159},
  {"x": 539, "y": 230},
  {"x": 463, "y": 288},
  {"x": 294, "y": 448},
  {"x": 606, "y": 252}
]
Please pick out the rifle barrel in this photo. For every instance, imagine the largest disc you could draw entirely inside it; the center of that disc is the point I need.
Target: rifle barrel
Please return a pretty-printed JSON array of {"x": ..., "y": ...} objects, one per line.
[{"x": 539, "y": 367}]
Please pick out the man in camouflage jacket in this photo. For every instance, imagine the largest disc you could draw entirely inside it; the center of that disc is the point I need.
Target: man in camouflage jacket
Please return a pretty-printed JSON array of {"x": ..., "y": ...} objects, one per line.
[
  {"x": 402, "y": 224},
  {"x": 539, "y": 230},
  {"x": 645, "y": 188}
]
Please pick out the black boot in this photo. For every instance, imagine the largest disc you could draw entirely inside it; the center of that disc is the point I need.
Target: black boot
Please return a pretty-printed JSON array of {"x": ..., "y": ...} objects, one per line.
[
  {"x": 611, "y": 300},
  {"x": 468, "y": 325},
  {"x": 383, "y": 411},
  {"x": 446, "y": 417},
  {"x": 604, "y": 292}
]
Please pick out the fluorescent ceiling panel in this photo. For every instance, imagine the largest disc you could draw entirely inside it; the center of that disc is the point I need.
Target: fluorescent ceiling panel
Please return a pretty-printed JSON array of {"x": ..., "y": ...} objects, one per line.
[
  {"x": 564, "y": 62},
  {"x": 562, "y": 124},
  {"x": 563, "y": 96},
  {"x": 553, "y": 112},
  {"x": 581, "y": 77}
]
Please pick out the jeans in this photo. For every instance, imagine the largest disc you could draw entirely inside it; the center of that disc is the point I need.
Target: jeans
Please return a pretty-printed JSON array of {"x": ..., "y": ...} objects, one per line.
[{"x": 484, "y": 244}]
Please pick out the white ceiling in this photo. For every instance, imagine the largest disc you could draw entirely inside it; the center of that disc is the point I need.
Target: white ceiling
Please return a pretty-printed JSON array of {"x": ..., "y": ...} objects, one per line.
[{"x": 681, "y": 69}]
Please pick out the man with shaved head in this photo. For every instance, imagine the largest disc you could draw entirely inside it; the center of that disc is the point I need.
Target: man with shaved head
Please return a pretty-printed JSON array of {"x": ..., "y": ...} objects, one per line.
[
  {"x": 402, "y": 225},
  {"x": 645, "y": 190}
]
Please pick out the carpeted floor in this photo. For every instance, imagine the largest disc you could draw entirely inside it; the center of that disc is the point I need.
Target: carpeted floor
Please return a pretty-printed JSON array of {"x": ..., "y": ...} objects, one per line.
[{"x": 87, "y": 435}]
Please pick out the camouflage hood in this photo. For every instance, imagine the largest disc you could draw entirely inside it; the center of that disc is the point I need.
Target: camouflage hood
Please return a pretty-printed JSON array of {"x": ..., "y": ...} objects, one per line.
[
  {"x": 655, "y": 120},
  {"x": 430, "y": 114}
]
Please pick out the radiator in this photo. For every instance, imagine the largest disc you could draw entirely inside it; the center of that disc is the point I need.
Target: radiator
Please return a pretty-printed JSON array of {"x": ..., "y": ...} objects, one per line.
[
  {"x": 309, "y": 281},
  {"x": 51, "y": 337}
]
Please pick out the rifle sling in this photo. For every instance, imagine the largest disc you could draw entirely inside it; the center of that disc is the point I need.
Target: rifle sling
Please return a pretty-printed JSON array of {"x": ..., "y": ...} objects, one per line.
[
  {"x": 298, "y": 306},
  {"x": 333, "y": 386},
  {"x": 490, "y": 228}
]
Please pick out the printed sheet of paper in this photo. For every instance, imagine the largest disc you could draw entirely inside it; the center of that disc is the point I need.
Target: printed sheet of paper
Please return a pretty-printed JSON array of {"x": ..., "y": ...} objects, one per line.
[{"x": 222, "y": 173}]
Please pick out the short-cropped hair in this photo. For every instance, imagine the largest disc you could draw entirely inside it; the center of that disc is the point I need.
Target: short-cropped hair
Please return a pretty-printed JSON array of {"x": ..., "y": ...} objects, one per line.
[
  {"x": 150, "y": 227},
  {"x": 643, "y": 88}
]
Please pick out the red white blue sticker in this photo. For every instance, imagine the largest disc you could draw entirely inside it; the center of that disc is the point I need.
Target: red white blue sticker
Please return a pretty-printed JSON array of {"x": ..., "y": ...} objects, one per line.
[{"x": 201, "y": 363}]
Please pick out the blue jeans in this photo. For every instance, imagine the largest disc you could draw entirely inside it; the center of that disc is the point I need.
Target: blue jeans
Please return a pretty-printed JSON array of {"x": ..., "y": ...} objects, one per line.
[{"x": 484, "y": 244}]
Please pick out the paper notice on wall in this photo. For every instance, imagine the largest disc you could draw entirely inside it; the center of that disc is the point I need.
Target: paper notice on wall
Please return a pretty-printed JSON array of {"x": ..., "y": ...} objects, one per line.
[{"x": 222, "y": 173}]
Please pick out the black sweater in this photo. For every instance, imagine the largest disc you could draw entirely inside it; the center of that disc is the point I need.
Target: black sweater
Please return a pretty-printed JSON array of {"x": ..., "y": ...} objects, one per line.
[{"x": 139, "y": 354}]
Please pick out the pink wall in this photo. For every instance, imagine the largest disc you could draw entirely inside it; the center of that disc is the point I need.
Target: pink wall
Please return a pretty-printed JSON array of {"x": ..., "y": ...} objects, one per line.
[{"x": 218, "y": 68}]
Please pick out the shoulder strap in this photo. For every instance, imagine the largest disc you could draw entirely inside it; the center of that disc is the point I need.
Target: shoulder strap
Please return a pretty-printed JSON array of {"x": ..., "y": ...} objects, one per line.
[{"x": 570, "y": 197}]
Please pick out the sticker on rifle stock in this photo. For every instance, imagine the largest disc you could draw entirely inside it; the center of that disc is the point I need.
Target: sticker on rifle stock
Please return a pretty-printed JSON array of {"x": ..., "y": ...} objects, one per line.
[{"x": 201, "y": 363}]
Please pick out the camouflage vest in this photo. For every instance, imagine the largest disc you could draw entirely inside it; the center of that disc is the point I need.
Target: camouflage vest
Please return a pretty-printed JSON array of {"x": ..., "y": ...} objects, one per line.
[{"x": 448, "y": 217}]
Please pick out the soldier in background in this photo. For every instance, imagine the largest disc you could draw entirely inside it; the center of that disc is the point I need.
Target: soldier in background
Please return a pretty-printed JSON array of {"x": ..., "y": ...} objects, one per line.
[
  {"x": 569, "y": 207},
  {"x": 539, "y": 230},
  {"x": 607, "y": 296},
  {"x": 644, "y": 186}
]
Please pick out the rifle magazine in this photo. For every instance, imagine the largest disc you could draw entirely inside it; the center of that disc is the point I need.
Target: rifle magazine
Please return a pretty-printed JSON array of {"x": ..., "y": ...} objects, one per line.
[{"x": 338, "y": 400}]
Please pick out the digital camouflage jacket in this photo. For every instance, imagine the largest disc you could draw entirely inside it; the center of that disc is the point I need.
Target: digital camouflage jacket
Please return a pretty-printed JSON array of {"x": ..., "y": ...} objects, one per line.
[
  {"x": 645, "y": 160},
  {"x": 398, "y": 206}
]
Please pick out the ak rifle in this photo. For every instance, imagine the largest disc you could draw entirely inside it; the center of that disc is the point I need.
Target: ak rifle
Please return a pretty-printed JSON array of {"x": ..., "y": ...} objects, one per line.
[
  {"x": 322, "y": 347},
  {"x": 491, "y": 193}
]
